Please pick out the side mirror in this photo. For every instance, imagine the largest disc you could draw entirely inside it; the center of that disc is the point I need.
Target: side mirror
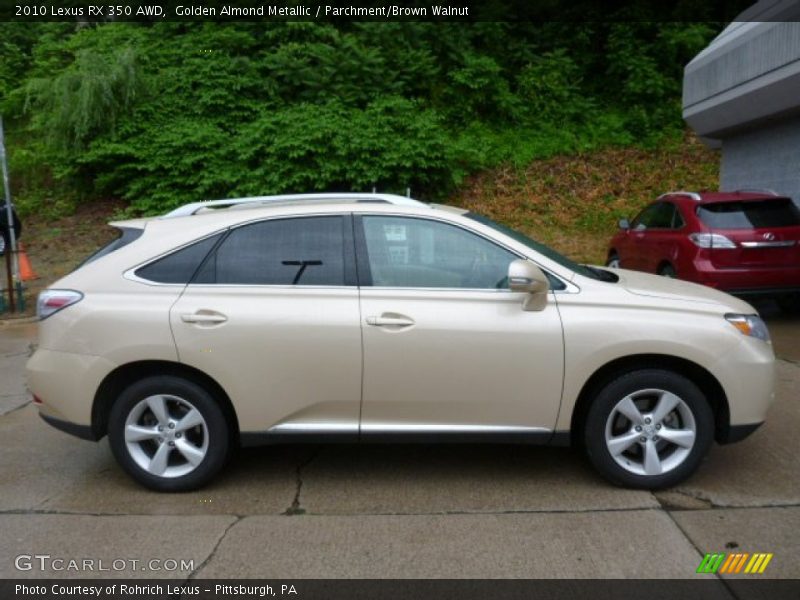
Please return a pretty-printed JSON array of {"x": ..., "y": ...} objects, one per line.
[
  {"x": 525, "y": 276},
  {"x": 624, "y": 224}
]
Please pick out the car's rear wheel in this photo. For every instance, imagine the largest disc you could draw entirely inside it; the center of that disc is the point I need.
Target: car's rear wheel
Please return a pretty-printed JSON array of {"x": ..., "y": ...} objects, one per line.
[
  {"x": 648, "y": 429},
  {"x": 168, "y": 433},
  {"x": 613, "y": 261},
  {"x": 667, "y": 270}
]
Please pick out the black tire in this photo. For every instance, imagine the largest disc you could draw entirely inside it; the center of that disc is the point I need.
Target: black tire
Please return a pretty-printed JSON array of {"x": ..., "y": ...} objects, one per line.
[
  {"x": 181, "y": 394},
  {"x": 667, "y": 270},
  {"x": 600, "y": 413},
  {"x": 613, "y": 261}
]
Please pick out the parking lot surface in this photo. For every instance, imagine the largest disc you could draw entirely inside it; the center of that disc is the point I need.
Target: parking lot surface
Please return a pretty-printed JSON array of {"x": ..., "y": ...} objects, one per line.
[{"x": 349, "y": 511}]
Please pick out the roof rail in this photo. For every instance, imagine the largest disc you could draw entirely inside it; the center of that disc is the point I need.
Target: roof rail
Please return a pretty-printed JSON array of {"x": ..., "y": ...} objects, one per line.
[
  {"x": 194, "y": 207},
  {"x": 759, "y": 191},
  {"x": 693, "y": 195}
]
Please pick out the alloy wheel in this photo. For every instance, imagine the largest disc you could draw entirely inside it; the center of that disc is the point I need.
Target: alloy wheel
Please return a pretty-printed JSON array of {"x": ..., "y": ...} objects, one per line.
[
  {"x": 650, "y": 432},
  {"x": 166, "y": 435}
]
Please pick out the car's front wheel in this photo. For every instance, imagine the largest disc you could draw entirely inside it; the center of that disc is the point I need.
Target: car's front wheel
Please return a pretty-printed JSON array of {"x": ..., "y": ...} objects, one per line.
[
  {"x": 648, "y": 429},
  {"x": 168, "y": 433}
]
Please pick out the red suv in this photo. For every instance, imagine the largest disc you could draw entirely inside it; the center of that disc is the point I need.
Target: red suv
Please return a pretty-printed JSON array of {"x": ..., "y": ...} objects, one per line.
[{"x": 745, "y": 242}]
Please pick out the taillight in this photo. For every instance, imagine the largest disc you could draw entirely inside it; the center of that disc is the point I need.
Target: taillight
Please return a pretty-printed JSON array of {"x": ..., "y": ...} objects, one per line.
[
  {"x": 711, "y": 240},
  {"x": 52, "y": 301}
]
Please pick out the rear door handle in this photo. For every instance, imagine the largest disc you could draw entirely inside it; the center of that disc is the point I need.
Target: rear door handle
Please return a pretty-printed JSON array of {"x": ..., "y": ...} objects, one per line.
[
  {"x": 203, "y": 318},
  {"x": 383, "y": 321}
]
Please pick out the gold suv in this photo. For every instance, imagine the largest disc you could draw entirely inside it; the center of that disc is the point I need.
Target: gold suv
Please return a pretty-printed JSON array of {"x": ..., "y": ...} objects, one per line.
[{"x": 369, "y": 317}]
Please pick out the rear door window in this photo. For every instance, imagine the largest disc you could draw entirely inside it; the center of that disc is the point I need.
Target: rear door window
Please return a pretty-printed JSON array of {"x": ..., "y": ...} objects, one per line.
[
  {"x": 296, "y": 251},
  {"x": 780, "y": 212},
  {"x": 656, "y": 216}
]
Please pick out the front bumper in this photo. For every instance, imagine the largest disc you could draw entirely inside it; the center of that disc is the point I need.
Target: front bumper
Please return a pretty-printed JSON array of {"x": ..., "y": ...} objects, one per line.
[{"x": 747, "y": 375}]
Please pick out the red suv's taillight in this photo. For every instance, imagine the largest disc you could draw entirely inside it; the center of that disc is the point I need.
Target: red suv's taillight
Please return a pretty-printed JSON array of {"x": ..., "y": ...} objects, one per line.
[
  {"x": 712, "y": 240},
  {"x": 52, "y": 301}
]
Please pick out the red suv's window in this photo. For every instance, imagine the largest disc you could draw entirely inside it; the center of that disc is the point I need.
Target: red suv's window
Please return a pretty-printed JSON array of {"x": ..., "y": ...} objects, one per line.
[
  {"x": 780, "y": 212},
  {"x": 661, "y": 215}
]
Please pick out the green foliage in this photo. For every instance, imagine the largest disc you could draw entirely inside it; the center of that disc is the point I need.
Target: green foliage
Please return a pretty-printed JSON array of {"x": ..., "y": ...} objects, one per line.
[
  {"x": 85, "y": 99},
  {"x": 166, "y": 113}
]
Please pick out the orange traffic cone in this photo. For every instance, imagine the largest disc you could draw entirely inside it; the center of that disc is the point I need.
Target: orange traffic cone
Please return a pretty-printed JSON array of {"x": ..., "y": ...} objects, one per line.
[{"x": 26, "y": 272}]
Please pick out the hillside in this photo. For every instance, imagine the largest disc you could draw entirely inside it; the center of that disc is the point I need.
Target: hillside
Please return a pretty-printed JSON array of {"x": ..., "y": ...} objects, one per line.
[{"x": 573, "y": 203}]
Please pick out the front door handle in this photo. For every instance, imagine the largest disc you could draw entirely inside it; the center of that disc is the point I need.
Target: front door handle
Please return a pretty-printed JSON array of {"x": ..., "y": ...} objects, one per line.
[
  {"x": 203, "y": 318},
  {"x": 387, "y": 321}
]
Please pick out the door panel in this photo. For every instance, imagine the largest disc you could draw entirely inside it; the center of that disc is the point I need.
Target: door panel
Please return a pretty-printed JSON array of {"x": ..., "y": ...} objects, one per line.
[
  {"x": 285, "y": 356},
  {"x": 470, "y": 358},
  {"x": 273, "y": 317},
  {"x": 447, "y": 347},
  {"x": 652, "y": 237}
]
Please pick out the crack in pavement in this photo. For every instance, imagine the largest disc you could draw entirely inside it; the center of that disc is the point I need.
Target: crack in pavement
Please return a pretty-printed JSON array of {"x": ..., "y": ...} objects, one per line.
[
  {"x": 44, "y": 511},
  {"x": 16, "y": 408},
  {"x": 667, "y": 504},
  {"x": 700, "y": 554},
  {"x": 295, "y": 508},
  {"x": 213, "y": 552}
]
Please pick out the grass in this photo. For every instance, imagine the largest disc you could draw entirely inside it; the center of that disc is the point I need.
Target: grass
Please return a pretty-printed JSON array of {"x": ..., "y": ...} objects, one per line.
[{"x": 571, "y": 203}]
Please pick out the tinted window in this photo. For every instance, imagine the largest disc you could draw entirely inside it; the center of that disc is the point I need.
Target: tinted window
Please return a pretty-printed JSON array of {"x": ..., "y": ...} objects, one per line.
[
  {"x": 555, "y": 283},
  {"x": 655, "y": 216},
  {"x": 127, "y": 235},
  {"x": 780, "y": 212},
  {"x": 301, "y": 251},
  {"x": 677, "y": 219},
  {"x": 179, "y": 266},
  {"x": 407, "y": 252}
]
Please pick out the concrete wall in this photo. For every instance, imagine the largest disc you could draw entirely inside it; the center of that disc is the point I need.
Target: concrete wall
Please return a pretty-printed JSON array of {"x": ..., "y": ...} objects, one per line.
[
  {"x": 742, "y": 93},
  {"x": 764, "y": 157},
  {"x": 749, "y": 73}
]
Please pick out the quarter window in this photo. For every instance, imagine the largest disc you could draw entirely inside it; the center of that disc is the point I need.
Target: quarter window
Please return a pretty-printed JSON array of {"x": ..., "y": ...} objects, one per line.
[
  {"x": 420, "y": 253},
  {"x": 298, "y": 251},
  {"x": 179, "y": 266}
]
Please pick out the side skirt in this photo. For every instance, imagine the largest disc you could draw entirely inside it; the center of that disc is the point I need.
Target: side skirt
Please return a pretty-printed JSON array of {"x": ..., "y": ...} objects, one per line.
[{"x": 408, "y": 435}]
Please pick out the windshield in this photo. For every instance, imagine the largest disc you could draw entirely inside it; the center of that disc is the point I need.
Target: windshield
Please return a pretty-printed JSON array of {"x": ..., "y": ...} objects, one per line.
[{"x": 541, "y": 248}]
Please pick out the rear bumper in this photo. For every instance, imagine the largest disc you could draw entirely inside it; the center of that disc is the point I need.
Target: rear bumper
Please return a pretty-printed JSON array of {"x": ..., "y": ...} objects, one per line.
[
  {"x": 66, "y": 383},
  {"x": 744, "y": 281},
  {"x": 736, "y": 433},
  {"x": 82, "y": 431}
]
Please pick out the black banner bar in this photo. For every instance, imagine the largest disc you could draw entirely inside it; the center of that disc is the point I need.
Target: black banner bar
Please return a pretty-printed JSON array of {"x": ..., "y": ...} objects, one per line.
[
  {"x": 109, "y": 11},
  {"x": 702, "y": 588}
]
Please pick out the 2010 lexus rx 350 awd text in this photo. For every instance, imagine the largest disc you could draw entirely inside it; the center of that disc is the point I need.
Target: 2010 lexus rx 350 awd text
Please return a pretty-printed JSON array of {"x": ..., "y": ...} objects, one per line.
[{"x": 368, "y": 317}]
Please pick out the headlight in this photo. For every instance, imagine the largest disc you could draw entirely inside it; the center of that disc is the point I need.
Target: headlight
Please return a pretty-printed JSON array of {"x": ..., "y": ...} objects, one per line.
[{"x": 751, "y": 325}]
